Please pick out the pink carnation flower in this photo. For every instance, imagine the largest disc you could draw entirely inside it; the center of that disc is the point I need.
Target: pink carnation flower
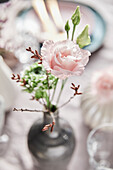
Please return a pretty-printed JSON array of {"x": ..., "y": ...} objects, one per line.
[
  {"x": 102, "y": 85},
  {"x": 64, "y": 58}
]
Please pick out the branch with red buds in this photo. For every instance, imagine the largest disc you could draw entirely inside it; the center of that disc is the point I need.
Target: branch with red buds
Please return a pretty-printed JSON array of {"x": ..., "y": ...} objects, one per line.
[
  {"x": 46, "y": 127},
  {"x": 18, "y": 79},
  {"x": 75, "y": 89},
  {"x": 35, "y": 55},
  {"x": 51, "y": 125},
  {"x": 75, "y": 93},
  {"x": 29, "y": 110}
]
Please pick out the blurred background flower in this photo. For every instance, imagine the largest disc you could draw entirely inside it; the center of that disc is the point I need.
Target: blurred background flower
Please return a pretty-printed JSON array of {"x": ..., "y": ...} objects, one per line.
[{"x": 102, "y": 85}]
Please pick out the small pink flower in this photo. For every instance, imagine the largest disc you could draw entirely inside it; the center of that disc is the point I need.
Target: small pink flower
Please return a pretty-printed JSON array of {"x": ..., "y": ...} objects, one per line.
[
  {"x": 64, "y": 58},
  {"x": 102, "y": 85}
]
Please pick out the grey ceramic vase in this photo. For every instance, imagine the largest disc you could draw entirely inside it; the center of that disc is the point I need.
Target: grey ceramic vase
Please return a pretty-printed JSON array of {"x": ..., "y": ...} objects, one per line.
[{"x": 51, "y": 150}]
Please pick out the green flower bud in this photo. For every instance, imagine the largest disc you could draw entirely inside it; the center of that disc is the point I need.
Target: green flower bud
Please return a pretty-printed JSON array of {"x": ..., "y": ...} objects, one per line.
[
  {"x": 76, "y": 16},
  {"x": 67, "y": 27},
  {"x": 83, "y": 39}
]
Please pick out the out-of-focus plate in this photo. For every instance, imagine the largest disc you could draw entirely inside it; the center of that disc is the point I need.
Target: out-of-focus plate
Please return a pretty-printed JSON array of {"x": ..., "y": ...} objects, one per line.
[{"x": 27, "y": 19}]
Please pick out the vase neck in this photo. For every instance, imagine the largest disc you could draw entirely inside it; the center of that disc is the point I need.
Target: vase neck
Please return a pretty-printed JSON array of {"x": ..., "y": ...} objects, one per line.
[{"x": 48, "y": 119}]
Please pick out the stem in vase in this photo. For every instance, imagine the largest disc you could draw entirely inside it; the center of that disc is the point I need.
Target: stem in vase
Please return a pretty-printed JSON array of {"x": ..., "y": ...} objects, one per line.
[
  {"x": 54, "y": 90},
  {"x": 63, "y": 83}
]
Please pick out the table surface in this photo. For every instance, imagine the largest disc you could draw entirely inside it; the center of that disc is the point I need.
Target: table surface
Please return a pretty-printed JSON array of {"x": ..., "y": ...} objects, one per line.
[{"x": 17, "y": 124}]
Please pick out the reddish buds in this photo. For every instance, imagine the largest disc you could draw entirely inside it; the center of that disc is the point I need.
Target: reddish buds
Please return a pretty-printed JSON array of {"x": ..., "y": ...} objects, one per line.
[
  {"x": 18, "y": 79},
  {"x": 46, "y": 127},
  {"x": 75, "y": 89},
  {"x": 35, "y": 54}
]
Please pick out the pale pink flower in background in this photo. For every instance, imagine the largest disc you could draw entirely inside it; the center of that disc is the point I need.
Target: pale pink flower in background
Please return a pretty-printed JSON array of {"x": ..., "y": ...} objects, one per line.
[
  {"x": 102, "y": 85},
  {"x": 64, "y": 58}
]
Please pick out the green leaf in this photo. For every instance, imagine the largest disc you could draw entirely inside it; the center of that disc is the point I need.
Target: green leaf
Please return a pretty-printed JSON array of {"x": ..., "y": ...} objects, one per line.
[
  {"x": 38, "y": 94},
  {"x": 76, "y": 17},
  {"x": 29, "y": 90},
  {"x": 38, "y": 70},
  {"x": 67, "y": 27},
  {"x": 42, "y": 94},
  {"x": 83, "y": 39}
]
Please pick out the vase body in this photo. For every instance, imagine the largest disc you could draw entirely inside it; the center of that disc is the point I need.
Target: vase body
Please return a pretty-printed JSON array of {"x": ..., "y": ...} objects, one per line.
[{"x": 51, "y": 150}]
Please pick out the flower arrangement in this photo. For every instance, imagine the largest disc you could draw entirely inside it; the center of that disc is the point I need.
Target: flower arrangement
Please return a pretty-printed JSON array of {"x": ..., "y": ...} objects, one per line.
[{"x": 57, "y": 62}]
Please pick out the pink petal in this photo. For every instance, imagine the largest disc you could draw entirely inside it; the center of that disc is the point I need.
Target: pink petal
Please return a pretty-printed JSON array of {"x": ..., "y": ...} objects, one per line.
[{"x": 46, "y": 49}]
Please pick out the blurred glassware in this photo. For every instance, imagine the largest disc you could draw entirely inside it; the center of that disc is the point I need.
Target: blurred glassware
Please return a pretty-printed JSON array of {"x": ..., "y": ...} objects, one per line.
[
  {"x": 54, "y": 10},
  {"x": 24, "y": 40},
  {"x": 100, "y": 147},
  {"x": 4, "y": 10},
  {"x": 41, "y": 11},
  {"x": 51, "y": 29},
  {"x": 4, "y": 138},
  {"x": 5, "y": 7},
  {"x": 3, "y": 13},
  {"x": 15, "y": 40},
  {"x": 97, "y": 99}
]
